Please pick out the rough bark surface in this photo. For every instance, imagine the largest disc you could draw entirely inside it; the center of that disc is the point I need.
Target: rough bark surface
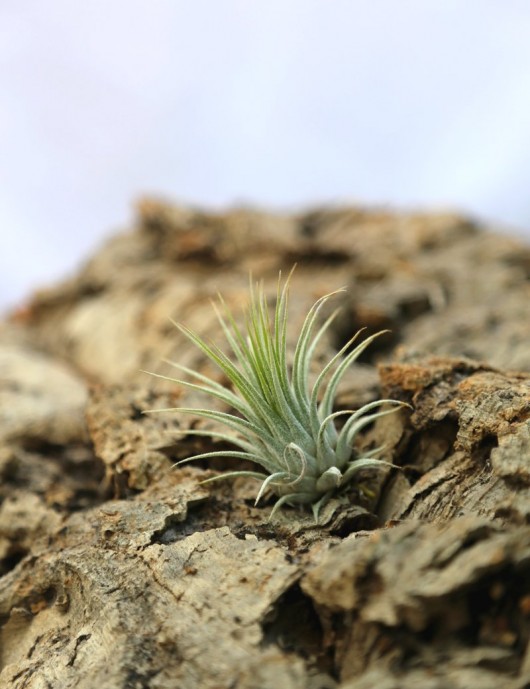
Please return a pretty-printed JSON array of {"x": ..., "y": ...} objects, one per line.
[{"x": 118, "y": 571}]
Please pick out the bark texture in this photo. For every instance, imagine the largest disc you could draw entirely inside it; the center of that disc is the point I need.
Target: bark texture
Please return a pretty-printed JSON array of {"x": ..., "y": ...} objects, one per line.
[{"x": 120, "y": 572}]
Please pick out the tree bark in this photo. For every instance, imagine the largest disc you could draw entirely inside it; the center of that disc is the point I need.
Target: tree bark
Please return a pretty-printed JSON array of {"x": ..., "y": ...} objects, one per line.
[{"x": 118, "y": 570}]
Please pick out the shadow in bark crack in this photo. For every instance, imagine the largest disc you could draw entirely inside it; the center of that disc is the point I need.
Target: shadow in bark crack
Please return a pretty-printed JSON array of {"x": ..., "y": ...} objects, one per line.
[
  {"x": 294, "y": 626},
  {"x": 13, "y": 556}
]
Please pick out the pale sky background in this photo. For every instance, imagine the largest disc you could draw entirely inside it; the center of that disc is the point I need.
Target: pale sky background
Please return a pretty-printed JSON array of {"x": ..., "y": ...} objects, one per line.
[{"x": 278, "y": 103}]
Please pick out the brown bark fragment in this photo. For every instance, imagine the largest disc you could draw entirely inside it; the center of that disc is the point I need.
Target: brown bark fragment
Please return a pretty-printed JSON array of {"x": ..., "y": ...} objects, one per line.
[
  {"x": 408, "y": 595},
  {"x": 468, "y": 424}
]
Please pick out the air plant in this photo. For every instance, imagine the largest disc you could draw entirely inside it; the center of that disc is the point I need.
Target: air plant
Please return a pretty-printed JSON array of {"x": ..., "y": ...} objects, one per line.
[{"x": 279, "y": 421}]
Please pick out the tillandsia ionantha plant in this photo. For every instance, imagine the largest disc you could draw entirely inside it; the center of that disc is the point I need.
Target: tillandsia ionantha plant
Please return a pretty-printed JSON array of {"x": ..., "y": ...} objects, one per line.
[{"x": 279, "y": 422}]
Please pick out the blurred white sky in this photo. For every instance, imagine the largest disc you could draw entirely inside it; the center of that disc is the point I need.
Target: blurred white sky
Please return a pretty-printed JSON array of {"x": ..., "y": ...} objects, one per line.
[{"x": 282, "y": 103}]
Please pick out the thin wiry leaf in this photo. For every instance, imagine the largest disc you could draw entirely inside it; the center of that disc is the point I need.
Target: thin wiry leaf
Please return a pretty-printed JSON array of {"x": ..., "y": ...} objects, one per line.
[
  {"x": 331, "y": 388},
  {"x": 280, "y": 424},
  {"x": 350, "y": 429}
]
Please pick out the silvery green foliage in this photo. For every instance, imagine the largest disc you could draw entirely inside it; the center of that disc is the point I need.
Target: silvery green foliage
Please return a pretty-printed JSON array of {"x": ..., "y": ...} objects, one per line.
[{"x": 280, "y": 423}]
